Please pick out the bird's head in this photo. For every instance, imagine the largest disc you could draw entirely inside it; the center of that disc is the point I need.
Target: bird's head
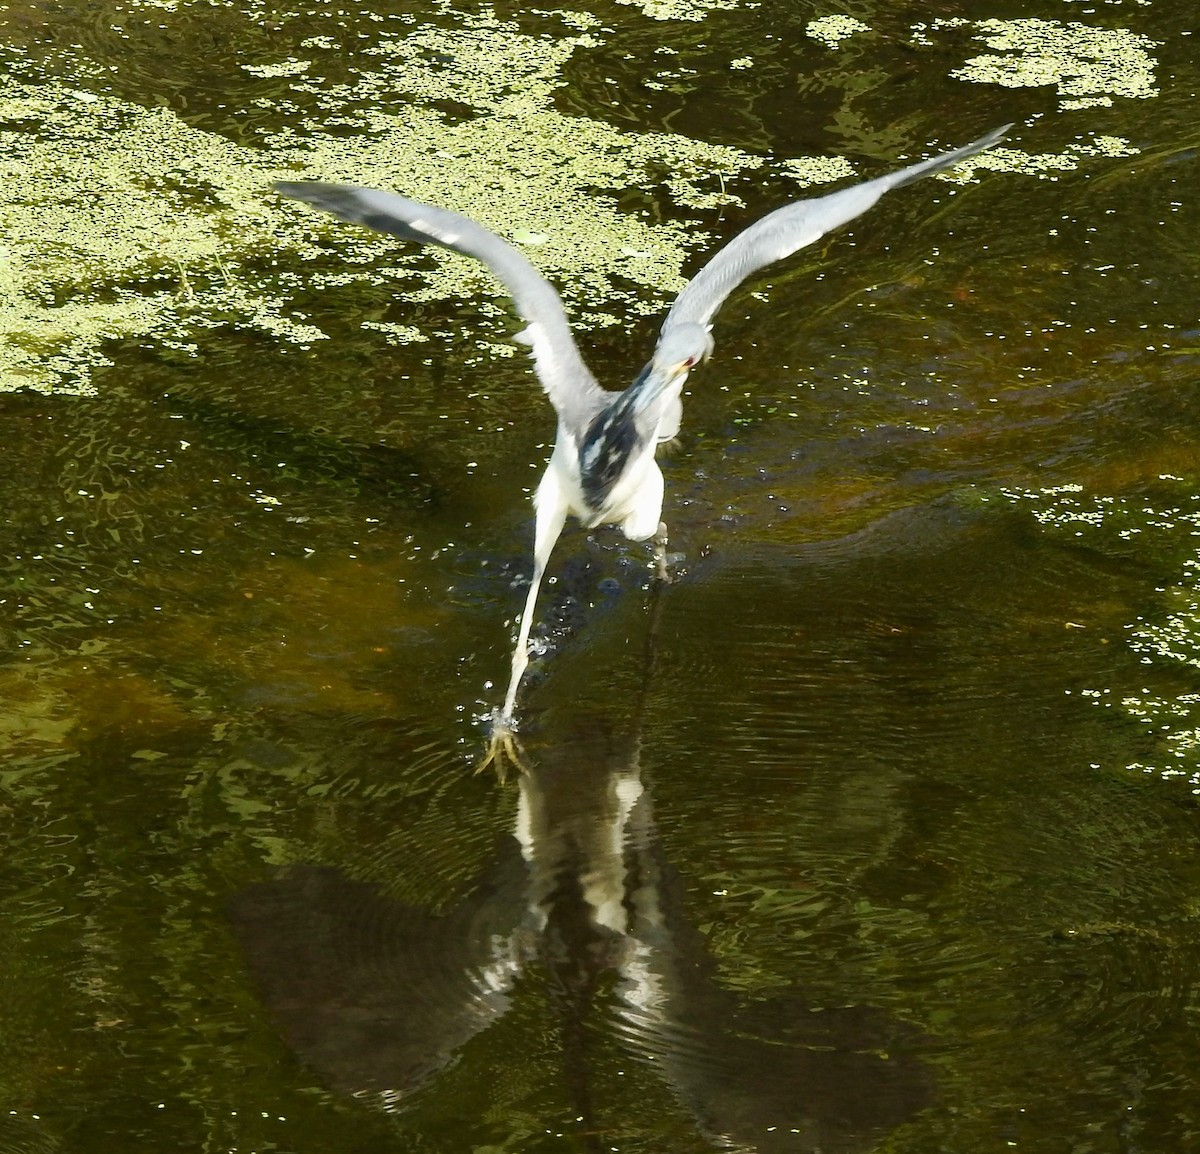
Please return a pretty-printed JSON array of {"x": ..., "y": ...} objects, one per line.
[{"x": 680, "y": 349}]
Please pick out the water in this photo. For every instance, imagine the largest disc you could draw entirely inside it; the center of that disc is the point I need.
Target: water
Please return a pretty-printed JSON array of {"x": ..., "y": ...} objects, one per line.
[{"x": 875, "y": 829}]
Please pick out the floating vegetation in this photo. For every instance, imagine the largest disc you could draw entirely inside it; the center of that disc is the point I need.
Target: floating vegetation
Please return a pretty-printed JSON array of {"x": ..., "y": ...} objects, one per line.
[
  {"x": 1088, "y": 65},
  {"x": 682, "y": 9},
  {"x": 1165, "y": 641},
  {"x": 1175, "y": 722},
  {"x": 820, "y": 169},
  {"x": 124, "y": 222},
  {"x": 832, "y": 30},
  {"x": 104, "y": 237}
]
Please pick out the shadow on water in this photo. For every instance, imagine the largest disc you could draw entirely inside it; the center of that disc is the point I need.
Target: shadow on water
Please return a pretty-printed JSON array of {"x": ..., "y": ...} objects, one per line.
[{"x": 378, "y": 996}]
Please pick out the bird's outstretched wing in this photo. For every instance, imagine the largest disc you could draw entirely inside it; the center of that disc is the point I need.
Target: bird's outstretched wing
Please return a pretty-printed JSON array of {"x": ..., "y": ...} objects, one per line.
[
  {"x": 790, "y": 228},
  {"x": 567, "y": 380}
]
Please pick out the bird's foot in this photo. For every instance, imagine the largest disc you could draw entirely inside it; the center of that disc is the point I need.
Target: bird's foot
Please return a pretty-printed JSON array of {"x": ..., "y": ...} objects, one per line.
[{"x": 503, "y": 748}]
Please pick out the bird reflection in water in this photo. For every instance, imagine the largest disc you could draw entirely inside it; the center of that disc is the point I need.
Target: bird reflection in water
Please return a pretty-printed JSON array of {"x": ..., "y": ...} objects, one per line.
[{"x": 378, "y": 996}]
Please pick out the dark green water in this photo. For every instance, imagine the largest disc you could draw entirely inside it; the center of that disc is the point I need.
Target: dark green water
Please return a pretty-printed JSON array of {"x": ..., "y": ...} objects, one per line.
[{"x": 900, "y": 774}]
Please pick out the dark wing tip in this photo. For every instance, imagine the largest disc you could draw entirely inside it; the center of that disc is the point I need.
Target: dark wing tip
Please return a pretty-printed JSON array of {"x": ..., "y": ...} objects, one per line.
[
  {"x": 311, "y": 191},
  {"x": 383, "y": 212},
  {"x": 995, "y": 136}
]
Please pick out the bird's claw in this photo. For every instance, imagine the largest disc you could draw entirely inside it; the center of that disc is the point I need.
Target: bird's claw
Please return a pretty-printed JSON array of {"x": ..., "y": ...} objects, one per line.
[{"x": 504, "y": 749}]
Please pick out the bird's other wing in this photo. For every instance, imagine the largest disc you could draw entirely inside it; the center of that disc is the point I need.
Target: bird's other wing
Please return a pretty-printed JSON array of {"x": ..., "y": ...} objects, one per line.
[
  {"x": 790, "y": 228},
  {"x": 567, "y": 380}
]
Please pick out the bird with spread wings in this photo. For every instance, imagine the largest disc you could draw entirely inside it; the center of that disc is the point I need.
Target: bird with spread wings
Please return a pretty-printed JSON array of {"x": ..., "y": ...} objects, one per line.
[{"x": 602, "y": 469}]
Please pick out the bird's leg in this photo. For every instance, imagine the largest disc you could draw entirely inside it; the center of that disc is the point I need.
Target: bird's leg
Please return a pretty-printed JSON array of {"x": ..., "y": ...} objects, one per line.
[
  {"x": 503, "y": 746},
  {"x": 661, "y": 572}
]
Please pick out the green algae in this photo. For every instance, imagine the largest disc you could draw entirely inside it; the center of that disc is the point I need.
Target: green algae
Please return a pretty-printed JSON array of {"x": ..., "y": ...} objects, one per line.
[
  {"x": 693, "y": 10},
  {"x": 104, "y": 239},
  {"x": 818, "y": 170},
  {"x": 126, "y": 223},
  {"x": 1088, "y": 65},
  {"x": 833, "y": 29},
  {"x": 1161, "y": 529}
]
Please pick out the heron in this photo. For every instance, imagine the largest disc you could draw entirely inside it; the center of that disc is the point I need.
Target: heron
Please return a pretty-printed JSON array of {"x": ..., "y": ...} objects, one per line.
[{"x": 602, "y": 469}]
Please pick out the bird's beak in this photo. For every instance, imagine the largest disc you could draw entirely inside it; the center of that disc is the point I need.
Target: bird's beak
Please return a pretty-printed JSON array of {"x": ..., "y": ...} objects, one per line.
[
  {"x": 656, "y": 377},
  {"x": 682, "y": 368}
]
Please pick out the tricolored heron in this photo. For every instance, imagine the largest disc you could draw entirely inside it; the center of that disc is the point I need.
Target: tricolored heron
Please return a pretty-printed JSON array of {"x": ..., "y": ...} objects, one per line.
[{"x": 602, "y": 469}]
